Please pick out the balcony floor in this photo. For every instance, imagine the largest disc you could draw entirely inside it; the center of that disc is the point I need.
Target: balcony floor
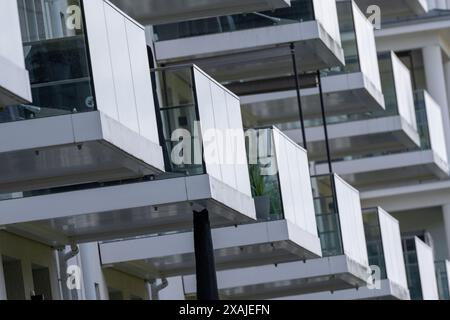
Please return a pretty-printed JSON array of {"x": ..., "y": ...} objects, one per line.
[
  {"x": 235, "y": 247},
  {"x": 389, "y": 170},
  {"x": 343, "y": 95},
  {"x": 73, "y": 149},
  {"x": 388, "y": 291},
  {"x": 246, "y": 54},
  {"x": 359, "y": 137},
  {"x": 268, "y": 282},
  {"x": 124, "y": 211}
]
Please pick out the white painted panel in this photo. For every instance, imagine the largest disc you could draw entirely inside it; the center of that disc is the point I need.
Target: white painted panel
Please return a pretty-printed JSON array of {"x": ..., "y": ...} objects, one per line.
[
  {"x": 295, "y": 183},
  {"x": 392, "y": 247},
  {"x": 436, "y": 127},
  {"x": 238, "y": 150},
  {"x": 352, "y": 227},
  {"x": 326, "y": 13},
  {"x": 10, "y": 35},
  {"x": 94, "y": 13},
  {"x": 425, "y": 259},
  {"x": 367, "y": 49},
  {"x": 120, "y": 59},
  {"x": 206, "y": 113},
  {"x": 218, "y": 95},
  {"x": 404, "y": 91},
  {"x": 142, "y": 81}
]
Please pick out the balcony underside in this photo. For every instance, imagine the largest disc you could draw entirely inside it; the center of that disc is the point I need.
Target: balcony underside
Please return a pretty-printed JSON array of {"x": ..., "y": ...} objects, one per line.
[
  {"x": 359, "y": 137},
  {"x": 72, "y": 149},
  {"x": 388, "y": 291},
  {"x": 390, "y": 170},
  {"x": 164, "y": 11},
  {"x": 256, "y": 53},
  {"x": 343, "y": 95},
  {"x": 125, "y": 210},
  {"x": 268, "y": 282},
  {"x": 235, "y": 247}
]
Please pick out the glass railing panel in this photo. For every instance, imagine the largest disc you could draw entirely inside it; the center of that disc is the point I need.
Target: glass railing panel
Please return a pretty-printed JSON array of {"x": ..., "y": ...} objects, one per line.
[
  {"x": 348, "y": 39},
  {"x": 374, "y": 241},
  {"x": 442, "y": 269},
  {"x": 327, "y": 215},
  {"x": 56, "y": 58},
  {"x": 300, "y": 10},
  {"x": 412, "y": 268},
  {"x": 179, "y": 115},
  {"x": 264, "y": 180}
]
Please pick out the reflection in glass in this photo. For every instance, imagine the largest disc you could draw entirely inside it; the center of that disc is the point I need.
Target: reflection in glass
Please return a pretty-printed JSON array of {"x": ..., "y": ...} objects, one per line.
[
  {"x": 327, "y": 215},
  {"x": 412, "y": 268},
  {"x": 442, "y": 280},
  {"x": 56, "y": 58},
  {"x": 374, "y": 240}
]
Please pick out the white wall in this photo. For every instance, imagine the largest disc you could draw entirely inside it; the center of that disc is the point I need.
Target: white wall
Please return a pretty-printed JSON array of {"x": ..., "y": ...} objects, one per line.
[
  {"x": 427, "y": 271},
  {"x": 436, "y": 127},
  {"x": 326, "y": 13},
  {"x": 367, "y": 48},
  {"x": 404, "y": 91},
  {"x": 392, "y": 247},
  {"x": 13, "y": 76},
  {"x": 92, "y": 272},
  {"x": 295, "y": 182},
  {"x": 220, "y": 119},
  {"x": 352, "y": 226},
  {"x": 120, "y": 67}
]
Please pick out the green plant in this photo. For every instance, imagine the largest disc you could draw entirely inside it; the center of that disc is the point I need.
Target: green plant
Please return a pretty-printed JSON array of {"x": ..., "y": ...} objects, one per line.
[{"x": 257, "y": 181}]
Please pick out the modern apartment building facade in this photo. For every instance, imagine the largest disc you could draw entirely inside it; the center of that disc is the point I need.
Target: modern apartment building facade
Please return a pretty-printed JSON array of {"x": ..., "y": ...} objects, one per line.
[{"x": 279, "y": 149}]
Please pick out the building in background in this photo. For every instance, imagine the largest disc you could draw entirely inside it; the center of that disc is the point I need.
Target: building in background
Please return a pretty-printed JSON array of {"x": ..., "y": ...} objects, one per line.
[{"x": 98, "y": 202}]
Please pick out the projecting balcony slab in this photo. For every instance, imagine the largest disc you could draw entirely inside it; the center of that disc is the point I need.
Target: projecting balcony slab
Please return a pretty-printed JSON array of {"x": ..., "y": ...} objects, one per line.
[
  {"x": 343, "y": 94},
  {"x": 267, "y": 282},
  {"x": 234, "y": 247},
  {"x": 164, "y": 11},
  {"x": 71, "y": 149},
  {"x": 255, "y": 53},
  {"x": 394, "y": 169},
  {"x": 387, "y": 290},
  {"x": 359, "y": 137},
  {"x": 125, "y": 210}
]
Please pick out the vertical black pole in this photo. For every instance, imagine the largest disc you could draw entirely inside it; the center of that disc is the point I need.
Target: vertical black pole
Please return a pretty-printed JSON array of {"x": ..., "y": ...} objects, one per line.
[
  {"x": 204, "y": 258},
  {"x": 299, "y": 97},
  {"x": 325, "y": 125}
]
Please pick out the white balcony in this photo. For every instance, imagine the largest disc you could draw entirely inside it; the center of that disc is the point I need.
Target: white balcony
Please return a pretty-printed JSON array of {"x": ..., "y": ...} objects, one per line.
[
  {"x": 420, "y": 269},
  {"x": 429, "y": 162},
  {"x": 384, "y": 245},
  {"x": 14, "y": 80},
  {"x": 164, "y": 11},
  {"x": 286, "y": 229},
  {"x": 256, "y": 45},
  {"x": 92, "y": 117},
  {"x": 353, "y": 89},
  {"x": 191, "y": 106},
  {"x": 344, "y": 264},
  {"x": 387, "y": 130}
]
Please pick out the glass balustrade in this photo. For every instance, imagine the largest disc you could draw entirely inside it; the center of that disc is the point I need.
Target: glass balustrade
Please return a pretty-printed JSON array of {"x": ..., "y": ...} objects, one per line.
[
  {"x": 54, "y": 44},
  {"x": 327, "y": 215},
  {"x": 374, "y": 241},
  {"x": 412, "y": 268},
  {"x": 300, "y": 11},
  {"x": 442, "y": 279}
]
